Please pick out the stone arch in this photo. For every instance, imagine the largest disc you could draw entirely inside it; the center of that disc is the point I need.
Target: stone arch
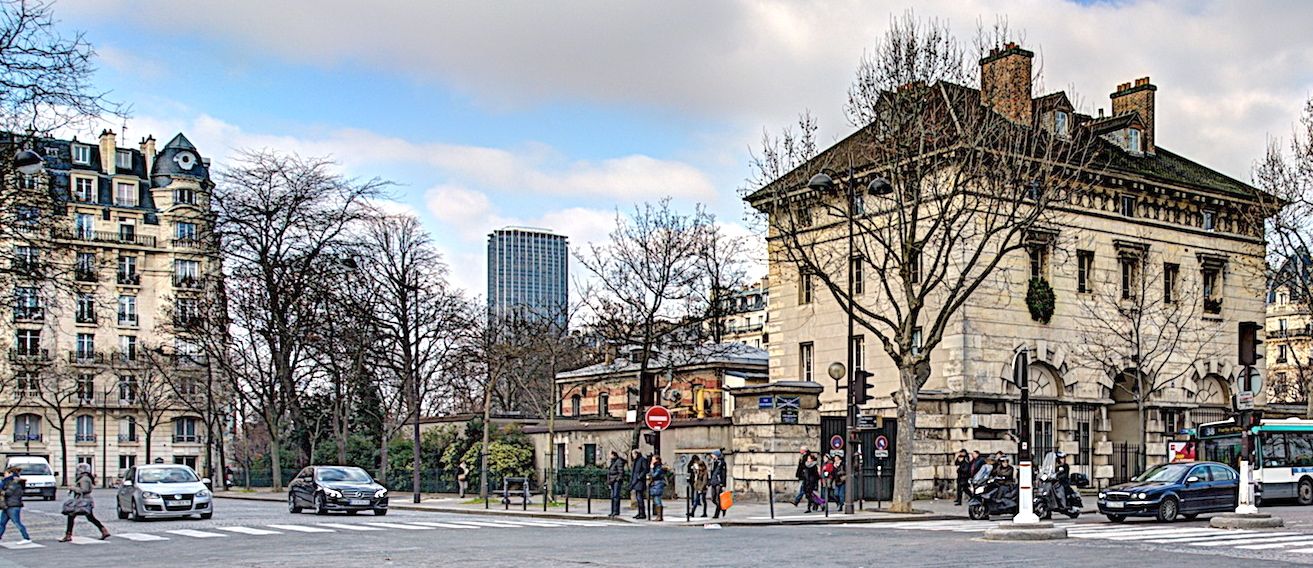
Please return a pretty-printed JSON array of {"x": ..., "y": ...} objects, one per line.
[
  {"x": 1212, "y": 390},
  {"x": 1048, "y": 361}
]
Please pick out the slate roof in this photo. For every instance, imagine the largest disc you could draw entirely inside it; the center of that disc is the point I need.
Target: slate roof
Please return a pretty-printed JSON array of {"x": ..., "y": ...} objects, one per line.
[{"x": 735, "y": 354}]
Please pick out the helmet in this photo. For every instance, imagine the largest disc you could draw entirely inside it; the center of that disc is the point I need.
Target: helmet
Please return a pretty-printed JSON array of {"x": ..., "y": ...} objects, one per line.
[{"x": 1061, "y": 454}]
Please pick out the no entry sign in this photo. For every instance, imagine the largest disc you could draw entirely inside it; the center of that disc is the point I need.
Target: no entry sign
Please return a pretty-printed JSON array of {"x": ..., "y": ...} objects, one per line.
[{"x": 657, "y": 418}]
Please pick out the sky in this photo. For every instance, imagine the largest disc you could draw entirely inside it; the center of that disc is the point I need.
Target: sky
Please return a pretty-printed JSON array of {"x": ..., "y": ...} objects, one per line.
[{"x": 559, "y": 114}]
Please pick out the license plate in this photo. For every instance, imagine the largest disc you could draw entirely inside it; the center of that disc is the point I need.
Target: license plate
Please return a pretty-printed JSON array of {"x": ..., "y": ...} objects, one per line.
[
  {"x": 1115, "y": 504},
  {"x": 177, "y": 503},
  {"x": 358, "y": 502}
]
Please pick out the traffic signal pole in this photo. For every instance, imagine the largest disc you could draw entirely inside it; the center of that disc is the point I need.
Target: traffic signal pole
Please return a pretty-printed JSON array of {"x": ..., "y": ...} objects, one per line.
[{"x": 1247, "y": 356}]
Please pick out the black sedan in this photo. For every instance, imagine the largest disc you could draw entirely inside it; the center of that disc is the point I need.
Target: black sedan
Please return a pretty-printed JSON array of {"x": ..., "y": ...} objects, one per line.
[
  {"x": 1168, "y": 491},
  {"x": 326, "y": 488}
]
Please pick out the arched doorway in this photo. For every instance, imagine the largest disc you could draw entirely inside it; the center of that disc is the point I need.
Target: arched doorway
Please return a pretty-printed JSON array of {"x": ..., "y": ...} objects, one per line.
[{"x": 1213, "y": 397}]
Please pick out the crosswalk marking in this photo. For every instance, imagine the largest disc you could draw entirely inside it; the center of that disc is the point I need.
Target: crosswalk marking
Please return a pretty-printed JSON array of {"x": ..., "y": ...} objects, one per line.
[
  {"x": 85, "y": 540},
  {"x": 1221, "y": 533},
  {"x": 442, "y": 525},
  {"x": 192, "y": 533},
  {"x": 1307, "y": 540},
  {"x": 140, "y": 537},
  {"x": 529, "y": 523},
  {"x": 1243, "y": 539},
  {"x": 1159, "y": 533},
  {"x": 16, "y": 546},
  {"x": 400, "y": 526},
  {"x": 300, "y": 528},
  {"x": 1156, "y": 535},
  {"x": 248, "y": 530},
  {"x": 346, "y": 527},
  {"x": 484, "y": 524}
]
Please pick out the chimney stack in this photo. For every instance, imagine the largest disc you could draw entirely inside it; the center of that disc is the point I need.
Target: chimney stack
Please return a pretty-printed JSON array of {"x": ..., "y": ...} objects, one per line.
[
  {"x": 1137, "y": 98},
  {"x": 1005, "y": 82},
  {"x": 148, "y": 151},
  {"x": 107, "y": 150}
]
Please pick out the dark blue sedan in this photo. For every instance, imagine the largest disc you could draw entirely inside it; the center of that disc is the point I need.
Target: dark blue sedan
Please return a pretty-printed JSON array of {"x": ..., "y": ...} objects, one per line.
[{"x": 1168, "y": 491}]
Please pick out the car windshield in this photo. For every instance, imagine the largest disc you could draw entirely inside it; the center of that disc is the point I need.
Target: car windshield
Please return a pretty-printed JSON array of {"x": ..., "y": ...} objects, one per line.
[
  {"x": 166, "y": 475},
  {"x": 34, "y": 469},
  {"x": 1169, "y": 473},
  {"x": 342, "y": 474}
]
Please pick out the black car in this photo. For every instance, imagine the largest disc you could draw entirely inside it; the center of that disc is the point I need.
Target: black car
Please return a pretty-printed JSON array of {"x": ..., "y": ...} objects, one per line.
[
  {"x": 325, "y": 488},
  {"x": 1167, "y": 491}
]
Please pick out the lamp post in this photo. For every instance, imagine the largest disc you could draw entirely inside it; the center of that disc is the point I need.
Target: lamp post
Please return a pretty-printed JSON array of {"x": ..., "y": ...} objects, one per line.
[
  {"x": 1025, "y": 507},
  {"x": 877, "y": 186}
]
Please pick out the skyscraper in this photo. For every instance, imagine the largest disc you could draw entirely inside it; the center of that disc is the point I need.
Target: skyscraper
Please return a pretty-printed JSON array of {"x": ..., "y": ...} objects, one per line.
[{"x": 527, "y": 272}]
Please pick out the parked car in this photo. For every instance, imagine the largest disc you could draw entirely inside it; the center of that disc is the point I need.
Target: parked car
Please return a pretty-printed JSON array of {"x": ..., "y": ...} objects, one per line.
[
  {"x": 38, "y": 477},
  {"x": 325, "y": 488},
  {"x": 152, "y": 491},
  {"x": 1168, "y": 491}
]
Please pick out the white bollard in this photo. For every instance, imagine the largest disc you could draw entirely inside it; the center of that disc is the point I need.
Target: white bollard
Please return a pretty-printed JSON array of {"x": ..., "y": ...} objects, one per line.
[
  {"x": 1246, "y": 505},
  {"x": 1026, "y": 497}
]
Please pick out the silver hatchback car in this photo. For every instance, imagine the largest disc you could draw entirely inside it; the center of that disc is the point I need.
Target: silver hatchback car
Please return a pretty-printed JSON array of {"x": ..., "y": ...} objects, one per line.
[{"x": 151, "y": 491}]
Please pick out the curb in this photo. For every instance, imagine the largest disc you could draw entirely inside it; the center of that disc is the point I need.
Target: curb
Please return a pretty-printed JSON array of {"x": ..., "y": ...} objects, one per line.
[{"x": 431, "y": 509}]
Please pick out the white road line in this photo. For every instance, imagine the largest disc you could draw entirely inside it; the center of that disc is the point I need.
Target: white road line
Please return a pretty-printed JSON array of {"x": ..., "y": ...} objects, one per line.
[
  {"x": 1246, "y": 539},
  {"x": 1308, "y": 540},
  {"x": 529, "y": 523},
  {"x": 442, "y": 525},
  {"x": 347, "y": 527},
  {"x": 192, "y": 533},
  {"x": 400, "y": 526},
  {"x": 1160, "y": 533},
  {"x": 1220, "y": 534},
  {"x": 248, "y": 530},
  {"x": 85, "y": 540},
  {"x": 488, "y": 524},
  {"x": 16, "y": 546},
  {"x": 140, "y": 537},
  {"x": 589, "y": 524},
  {"x": 1157, "y": 535},
  {"x": 300, "y": 528}
]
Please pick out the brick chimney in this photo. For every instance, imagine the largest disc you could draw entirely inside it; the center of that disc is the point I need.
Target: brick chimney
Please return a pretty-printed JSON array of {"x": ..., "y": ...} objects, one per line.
[
  {"x": 1005, "y": 82},
  {"x": 1138, "y": 98},
  {"x": 147, "y": 148},
  {"x": 107, "y": 150}
]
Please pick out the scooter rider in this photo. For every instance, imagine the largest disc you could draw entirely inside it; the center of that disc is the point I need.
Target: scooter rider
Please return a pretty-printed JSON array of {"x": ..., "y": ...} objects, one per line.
[{"x": 1062, "y": 472}]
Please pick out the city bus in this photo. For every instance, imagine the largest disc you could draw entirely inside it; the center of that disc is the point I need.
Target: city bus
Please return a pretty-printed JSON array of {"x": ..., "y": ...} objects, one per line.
[{"x": 1284, "y": 450}]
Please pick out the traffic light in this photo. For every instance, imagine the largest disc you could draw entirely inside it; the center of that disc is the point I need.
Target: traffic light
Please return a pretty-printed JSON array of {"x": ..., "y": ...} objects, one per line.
[
  {"x": 647, "y": 389},
  {"x": 1249, "y": 343},
  {"x": 862, "y": 394}
]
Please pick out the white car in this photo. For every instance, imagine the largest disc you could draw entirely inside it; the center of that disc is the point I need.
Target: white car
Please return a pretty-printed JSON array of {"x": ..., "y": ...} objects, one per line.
[
  {"x": 38, "y": 477},
  {"x": 151, "y": 491}
]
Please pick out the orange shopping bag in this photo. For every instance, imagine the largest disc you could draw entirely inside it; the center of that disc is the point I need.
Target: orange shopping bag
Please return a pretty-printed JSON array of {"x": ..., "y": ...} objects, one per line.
[{"x": 726, "y": 500}]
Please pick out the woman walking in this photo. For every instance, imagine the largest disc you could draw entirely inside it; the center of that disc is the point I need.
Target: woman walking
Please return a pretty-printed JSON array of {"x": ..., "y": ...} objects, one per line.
[
  {"x": 80, "y": 503},
  {"x": 13, "y": 503},
  {"x": 697, "y": 480},
  {"x": 658, "y": 488}
]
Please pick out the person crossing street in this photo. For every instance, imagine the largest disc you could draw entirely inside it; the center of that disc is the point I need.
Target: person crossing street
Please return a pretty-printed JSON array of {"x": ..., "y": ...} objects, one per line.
[{"x": 13, "y": 487}]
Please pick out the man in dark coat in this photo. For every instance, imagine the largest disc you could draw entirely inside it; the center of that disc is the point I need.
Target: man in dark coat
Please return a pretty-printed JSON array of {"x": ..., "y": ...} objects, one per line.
[
  {"x": 717, "y": 480},
  {"x": 638, "y": 482},
  {"x": 963, "y": 463},
  {"x": 801, "y": 475},
  {"x": 615, "y": 479}
]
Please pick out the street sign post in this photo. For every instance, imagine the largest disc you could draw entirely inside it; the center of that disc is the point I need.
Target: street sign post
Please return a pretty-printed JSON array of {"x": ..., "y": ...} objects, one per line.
[
  {"x": 836, "y": 442},
  {"x": 657, "y": 418},
  {"x": 881, "y": 450},
  {"x": 1244, "y": 401}
]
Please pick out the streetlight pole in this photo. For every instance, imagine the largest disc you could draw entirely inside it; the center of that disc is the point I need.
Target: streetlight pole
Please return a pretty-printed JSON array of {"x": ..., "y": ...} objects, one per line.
[{"x": 1025, "y": 507}]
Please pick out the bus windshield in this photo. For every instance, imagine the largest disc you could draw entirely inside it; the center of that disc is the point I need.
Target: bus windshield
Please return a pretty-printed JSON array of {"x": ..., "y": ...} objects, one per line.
[{"x": 1225, "y": 450}]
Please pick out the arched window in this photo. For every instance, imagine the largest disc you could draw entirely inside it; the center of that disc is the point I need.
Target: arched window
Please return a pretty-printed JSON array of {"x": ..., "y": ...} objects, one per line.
[
  {"x": 27, "y": 428},
  {"x": 575, "y": 405},
  {"x": 603, "y": 404}
]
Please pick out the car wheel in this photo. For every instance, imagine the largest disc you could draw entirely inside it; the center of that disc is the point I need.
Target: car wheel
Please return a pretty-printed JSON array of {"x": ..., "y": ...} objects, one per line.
[
  {"x": 1168, "y": 510},
  {"x": 1117, "y": 518},
  {"x": 118, "y": 509},
  {"x": 1305, "y": 493},
  {"x": 291, "y": 504},
  {"x": 380, "y": 512},
  {"x": 321, "y": 505},
  {"x": 133, "y": 514}
]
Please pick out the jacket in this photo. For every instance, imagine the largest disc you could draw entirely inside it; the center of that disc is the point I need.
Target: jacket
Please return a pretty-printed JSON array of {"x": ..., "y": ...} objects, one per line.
[
  {"x": 83, "y": 485},
  {"x": 1063, "y": 474},
  {"x": 659, "y": 480},
  {"x": 801, "y": 472},
  {"x": 964, "y": 467},
  {"x": 13, "y": 493},
  {"x": 717, "y": 476},
  {"x": 638, "y": 476},
  {"x": 1005, "y": 473},
  {"x": 615, "y": 473},
  {"x": 697, "y": 475},
  {"x": 976, "y": 464}
]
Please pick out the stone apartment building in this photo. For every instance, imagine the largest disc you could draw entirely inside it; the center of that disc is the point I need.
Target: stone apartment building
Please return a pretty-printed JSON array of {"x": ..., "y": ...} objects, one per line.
[
  {"x": 99, "y": 349},
  {"x": 746, "y": 315},
  {"x": 1289, "y": 335},
  {"x": 1147, "y": 207}
]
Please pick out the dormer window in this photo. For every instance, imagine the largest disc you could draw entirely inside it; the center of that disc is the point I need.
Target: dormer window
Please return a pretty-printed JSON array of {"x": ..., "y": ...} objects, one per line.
[
  {"x": 1060, "y": 123},
  {"x": 1133, "y": 140},
  {"x": 81, "y": 154},
  {"x": 123, "y": 160}
]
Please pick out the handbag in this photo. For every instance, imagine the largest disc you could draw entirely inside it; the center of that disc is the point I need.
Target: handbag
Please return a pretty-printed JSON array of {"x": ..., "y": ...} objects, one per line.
[
  {"x": 77, "y": 505},
  {"x": 726, "y": 500}
]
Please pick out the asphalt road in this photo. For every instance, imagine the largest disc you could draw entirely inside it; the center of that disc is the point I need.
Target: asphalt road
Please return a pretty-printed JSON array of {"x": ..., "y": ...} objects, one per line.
[{"x": 254, "y": 533}]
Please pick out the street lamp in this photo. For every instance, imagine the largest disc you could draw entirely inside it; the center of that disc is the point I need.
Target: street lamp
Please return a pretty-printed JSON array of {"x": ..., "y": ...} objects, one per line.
[
  {"x": 824, "y": 181},
  {"x": 1021, "y": 376}
]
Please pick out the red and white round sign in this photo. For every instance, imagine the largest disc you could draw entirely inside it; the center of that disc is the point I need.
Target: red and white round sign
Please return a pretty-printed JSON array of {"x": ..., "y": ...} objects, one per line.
[{"x": 657, "y": 418}]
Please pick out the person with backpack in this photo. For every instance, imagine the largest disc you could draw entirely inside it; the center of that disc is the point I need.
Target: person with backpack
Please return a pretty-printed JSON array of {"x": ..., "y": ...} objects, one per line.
[
  {"x": 717, "y": 480},
  {"x": 80, "y": 503},
  {"x": 658, "y": 488},
  {"x": 13, "y": 487}
]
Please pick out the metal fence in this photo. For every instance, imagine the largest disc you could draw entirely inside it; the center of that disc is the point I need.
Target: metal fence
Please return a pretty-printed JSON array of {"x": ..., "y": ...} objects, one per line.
[{"x": 1126, "y": 461}]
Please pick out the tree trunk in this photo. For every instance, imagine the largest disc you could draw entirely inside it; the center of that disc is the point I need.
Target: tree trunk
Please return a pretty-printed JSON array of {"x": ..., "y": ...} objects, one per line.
[
  {"x": 63, "y": 455},
  {"x": 1308, "y": 400},
  {"x": 483, "y": 453},
  {"x": 275, "y": 462},
  {"x": 150, "y": 435},
  {"x": 905, "y": 452},
  {"x": 383, "y": 454},
  {"x": 1142, "y": 455}
]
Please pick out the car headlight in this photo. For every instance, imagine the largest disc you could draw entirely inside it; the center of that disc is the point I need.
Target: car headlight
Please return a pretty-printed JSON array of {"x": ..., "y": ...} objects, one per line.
[
  {"x": 329, "y": 492},
  {"x": 1141, "y": 495},
  {"x": 149, "y": 495},
  {"x": 203, "y": 494},
  {"x": 1103, "y": 495},
  {"x": 381, "y": 493}
]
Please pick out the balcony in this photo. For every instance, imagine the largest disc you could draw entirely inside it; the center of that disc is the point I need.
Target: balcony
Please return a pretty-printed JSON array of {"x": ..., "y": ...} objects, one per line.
[
  {"x": 192, "y": 243},
  {"x": 189, "y": 360},
  {"x": 111, "y": 237},
  {"x": 85, "y": 275},
  {"x": 29, "y": 313},
  {"x": 129, "y": 320},
  {"x": 187, "y": 282},
  {"x": 27, "y": 437},
  {"x": 29, "y": 355},
  {"x": 85, "y": 318},
  {"x": 1213, "y": 306},
  {"x": 1289, "y": 333},
  {"x": 84, "y": 438},
  {"x": 79, "y": 357},
  {"x": 128, "y": 278},
  {"x": 128, "y": 439},
  {"x": 186, "y": 439}
]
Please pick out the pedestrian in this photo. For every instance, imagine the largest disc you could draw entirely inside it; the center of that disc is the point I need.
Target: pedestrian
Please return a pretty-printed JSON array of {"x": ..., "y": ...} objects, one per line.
[
  {"x": 717, "y": 480},
  {"x": 1062, "y": 473},
  {"x": 838, "y": 482},
  {"x": 963, "y": 463},
  {"x": 977, "y": 461},
  {"x": 658, "y": 488},
  {"x": 80, "y": 503},
  {"x": 13, "y": 487},
  {"x": 697, "y": 481},
  {"x": 801, "y": 475},
  {"x": 638, "y": 483},
  {"x": 463, "y": 477},
  {"x": 615, "y": 479},
  {"x": 811, "y": 482}
]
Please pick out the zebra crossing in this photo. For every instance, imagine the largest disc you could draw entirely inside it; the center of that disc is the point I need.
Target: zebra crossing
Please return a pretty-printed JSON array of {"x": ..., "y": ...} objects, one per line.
[
  {"x": 284, "y": 529},
  {"x": 1201, "y": 537}
]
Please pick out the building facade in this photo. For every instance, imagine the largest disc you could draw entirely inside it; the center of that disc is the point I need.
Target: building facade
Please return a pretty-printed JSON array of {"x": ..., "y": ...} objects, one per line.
[
  {"x": 528, "y": 273},
  {"x": 1146, "y": 209},
  {"x": 745, "y": 315},
  {"x": 102, "y": 359}
]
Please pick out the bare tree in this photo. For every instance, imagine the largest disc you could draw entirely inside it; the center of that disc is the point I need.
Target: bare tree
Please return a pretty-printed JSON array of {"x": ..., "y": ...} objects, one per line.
[
  {"x": 145, "y": 376},
  {"x": 285, "y": 224},
  {"x": 937, "y": 190},
  {"x": 61, "y": 396},
  {"x": 724, "y": 260}
]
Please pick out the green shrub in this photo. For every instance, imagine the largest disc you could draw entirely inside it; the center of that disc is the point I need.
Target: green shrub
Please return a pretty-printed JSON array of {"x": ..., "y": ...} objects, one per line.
[{"x": 1040, "y": 300}]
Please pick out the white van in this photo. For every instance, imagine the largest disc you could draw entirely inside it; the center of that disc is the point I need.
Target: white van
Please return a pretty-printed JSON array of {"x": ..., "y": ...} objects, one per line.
[{"x": 38, "y": 477}]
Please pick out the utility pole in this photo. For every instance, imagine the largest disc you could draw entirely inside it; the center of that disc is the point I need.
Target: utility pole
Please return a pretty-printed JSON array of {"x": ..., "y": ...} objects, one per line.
[{"x": 1025, "y": 502}]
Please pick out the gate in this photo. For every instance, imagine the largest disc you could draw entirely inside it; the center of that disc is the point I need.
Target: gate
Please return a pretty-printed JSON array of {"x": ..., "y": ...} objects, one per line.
[
  {"x": 1126, "y": 460},
  {"x": 874, "y": 473}
]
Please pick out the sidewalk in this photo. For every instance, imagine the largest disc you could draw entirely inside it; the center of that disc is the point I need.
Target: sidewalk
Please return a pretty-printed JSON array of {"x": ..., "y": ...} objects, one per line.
[{"x": 742, "y": 514}]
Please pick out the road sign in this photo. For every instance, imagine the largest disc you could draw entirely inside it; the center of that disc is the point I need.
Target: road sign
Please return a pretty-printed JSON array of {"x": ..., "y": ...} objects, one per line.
[
  {"x": 789, "y": 416},
  {"x": 1244, "y": 401},
  {"x": 881, "y": 443},
  {"x": 765, "y": 402},
  {"x": 836, "y": 442},
  {"x": 868, "y": 422},
  {"x": 657, "y": 418},
  {"x": 788, "y": 401}
]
